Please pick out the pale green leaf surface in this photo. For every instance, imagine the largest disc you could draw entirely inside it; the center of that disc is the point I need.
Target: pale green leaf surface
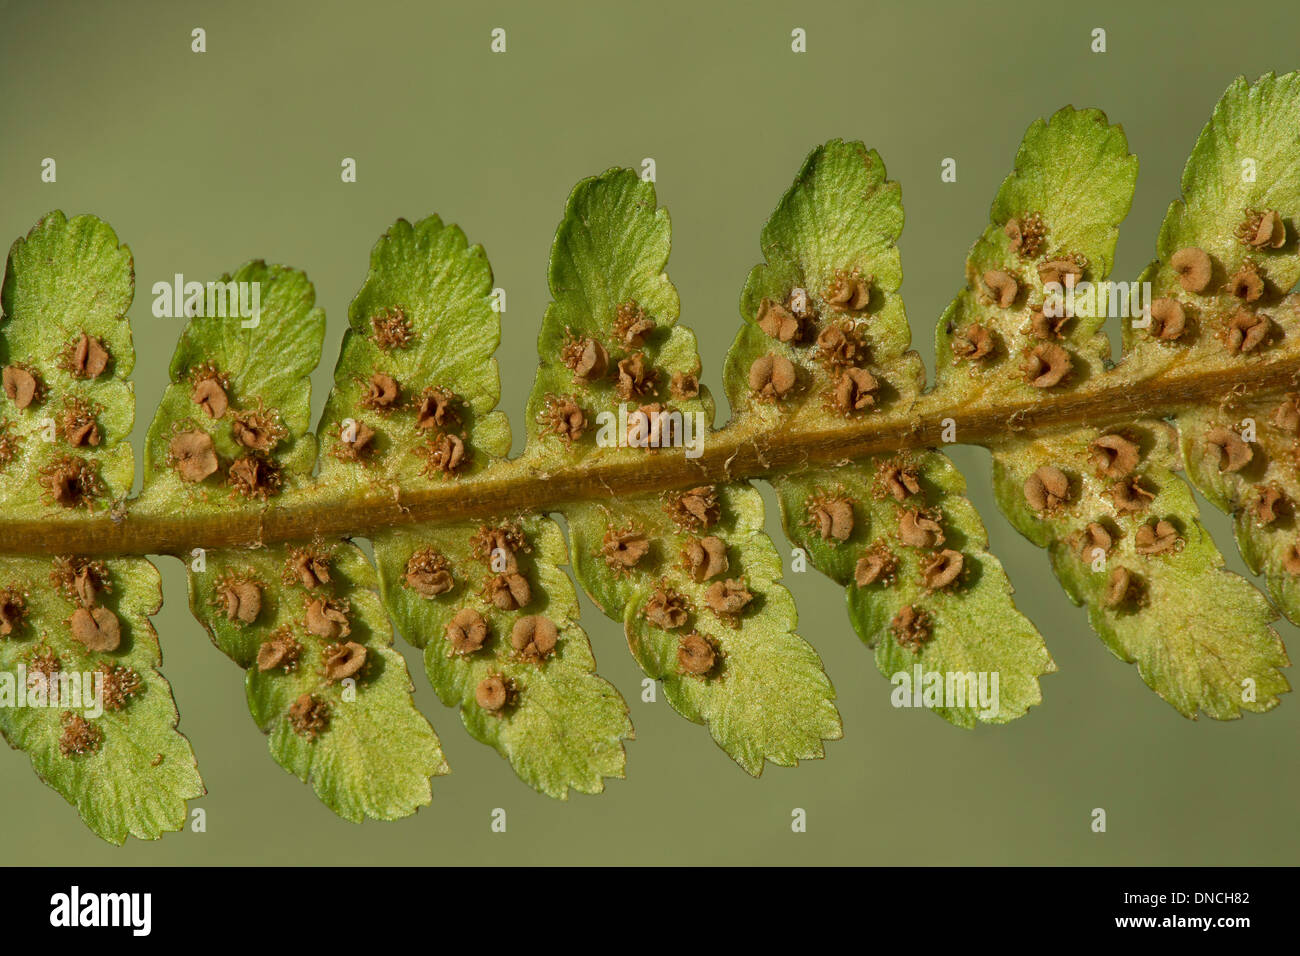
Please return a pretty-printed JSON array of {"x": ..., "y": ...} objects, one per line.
[
  {"x": 610, "y": 249},
  {"x": 1244, "y": 161},
  {"x": 566, "y": 728},
  {"x": 268, "y": 368},
  {"x": 378, "y": 752},
  {"x": 769, "y": 697},
  {"x": 974, "y": 626},
  {"x": 136, "y": 780},
  {"x": 1076, "y": 172},
  {"x": 1199, "y": 634},
  {"x": 429, "y": 273},
  {"x": 841, "y": 214},
  {"x": 66, "y": 277},
  {"x": 1265, "y": 544}
]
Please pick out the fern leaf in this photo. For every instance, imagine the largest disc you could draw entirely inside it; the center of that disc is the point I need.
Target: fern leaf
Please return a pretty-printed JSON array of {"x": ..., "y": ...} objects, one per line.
[
  {"x": 609, "y": 349},
  {"x": 1123, "y": 530},
  {"x": 322, "y": 679},
  {"x": 826, "y": 300}
]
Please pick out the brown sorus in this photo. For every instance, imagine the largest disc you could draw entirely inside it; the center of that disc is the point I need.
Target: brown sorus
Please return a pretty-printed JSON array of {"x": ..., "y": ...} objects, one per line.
[
  {"x": 1193, "y": 268},
  {"x": 282, "y": 649},
  {"x": 495, "y": 693},
  {"x": 209, "y": 389},
  {"x": 239, "y": 598},
  {"x": 1092, "y": 537},
  {"x": 667, "y": 608},
  {"x": 973, "y": 343},
  {"x": 1157, "y": 537},
  {"x": 849, "y": 290},
  {"x": 97, "y": 628},
  {"x": 428, "y": 573},
  {"x": 1168, "y": 319},
  {"x": 84, "y": 357},
  {"x": 327, "y": 618},
  {"x": 636, "y": 377},
  {"x": 509, "y": 591},
  {"x": 695, "y": 509},
  {"x": 193, "y": 455},
  {"x": 13, "y": 608},
  {"x": 896, "y": 478},
  {"x": 71, "y": 481},
  {"x": 1262, "y": 229},
  {"x": 1002, "y": 287},
  {"x": 1047, "y": 489},
  {"x": 1246, "y": 331},
  {"x": 1064, "y": 270},
  {"x": 942, "y": 569},
  {"x": 356, "y": 441},
  {"x": 438, "y": 409},
  {"x": 382, "y": 393},
  {"x": 728, "y": 598},
  {"x": 79, "y": 579},
  {"x": 42, "y": 663},
  {"x": 254, "y": 476},
  {"x": 1247, "y": 284},
  {"x": 779, "y": 322},
  {"x": 623, "y": 548},
  {"x": 705, "y": 558},
  {"x": 696, "y": 654},
  {"x": 534, "y": 637},
  {"x": 854, "y": 391},
  {"x": 1121, "y": 588},
  {"x": 443, "y": 455},
  {"x": 1025, "y": 234},
  {"x": 1114, "y": 455},
  {"x": 80, "y": 737},
  {"x": 1047, "y": 325},
  {"x": 830, "y": 516},
  {"x": 877, "y": 564},
  {"x": 772, "y": 377},
  {"x": 1286, "y": 415},
  {"x": 584, "y": 357},
  {"x": 497, "y": 545},
  {"x": 121, "y": 683},
  {"x": 563, "y": 417},
  {"x": 1270, "y": 501},
  {"x": 911, "y": 628},
  {"x": 23, "y": 385},
  {"x": 841, "y": 345},
  {"x": 391, "y": 329},
  {"x": 1046, "y": 365},
  {"x": 1226, "y": 445},
  {"x": 309, "y": 567},
  {"x": 1130, "y": 496},
  {"x": 309, "y": 716},
  {"x": 258, "y": 429},
  {"x": 342, "y": 660},
  {"x": 632, "y": 325},
  {"x": 684, "y": 385},
  {"x": 76, "y": 422},
  {"x": 466, "y": 632},
  {"x": 919, "y": 529}
]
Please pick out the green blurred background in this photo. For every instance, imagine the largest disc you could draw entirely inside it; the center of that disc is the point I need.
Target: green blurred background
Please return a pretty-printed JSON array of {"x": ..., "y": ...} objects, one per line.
[{"x": 203, "y": 161}]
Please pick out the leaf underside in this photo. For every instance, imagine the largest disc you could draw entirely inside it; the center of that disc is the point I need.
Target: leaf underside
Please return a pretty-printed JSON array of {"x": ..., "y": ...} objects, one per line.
[{"x": 823, "y": 345}]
